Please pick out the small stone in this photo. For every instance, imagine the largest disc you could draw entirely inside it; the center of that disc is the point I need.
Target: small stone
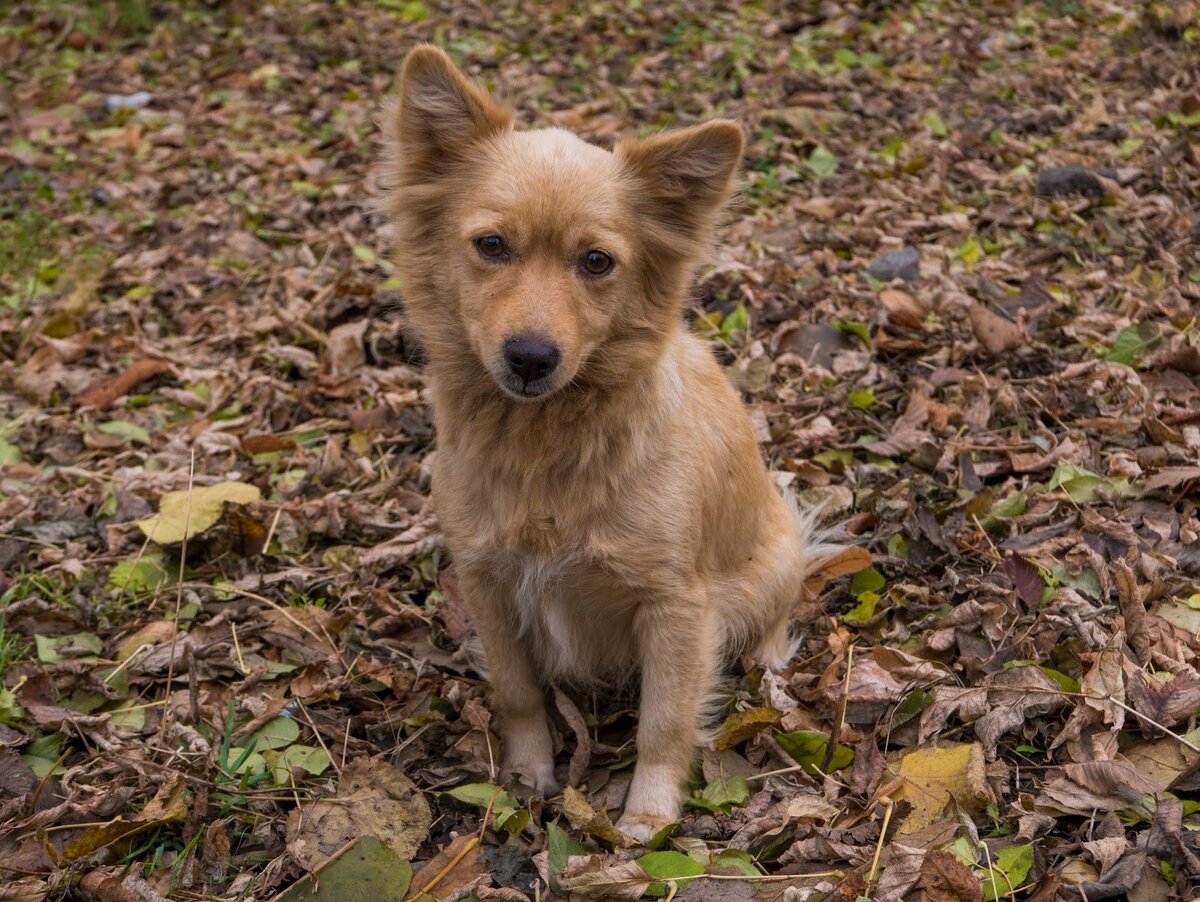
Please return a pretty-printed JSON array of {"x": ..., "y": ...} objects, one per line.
[
  {"x": 1059, "y": 181},
  {"x": 904, "y": 263},
  {"x": 114, "y": 102},
  {"x": 819, "y": 343}
]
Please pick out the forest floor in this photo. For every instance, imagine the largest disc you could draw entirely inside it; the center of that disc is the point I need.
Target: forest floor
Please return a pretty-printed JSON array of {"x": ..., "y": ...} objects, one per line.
[{"x": 987, "y": 366}]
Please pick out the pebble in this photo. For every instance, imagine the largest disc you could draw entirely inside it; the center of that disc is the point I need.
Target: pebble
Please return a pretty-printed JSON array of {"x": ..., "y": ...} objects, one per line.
[
  {"x": 904, "y": 263},
  {"x": 1063, "y": 180},
  {"x": 114, "y": 102}
]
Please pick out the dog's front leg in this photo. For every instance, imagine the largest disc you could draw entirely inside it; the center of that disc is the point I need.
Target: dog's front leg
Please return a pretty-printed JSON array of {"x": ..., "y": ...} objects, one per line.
[
  {"x": 517, "y": 696},
  {"x": 678, "y": 653}
]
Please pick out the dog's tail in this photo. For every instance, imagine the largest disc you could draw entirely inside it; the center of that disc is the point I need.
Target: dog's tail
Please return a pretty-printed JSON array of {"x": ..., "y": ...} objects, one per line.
[{"x": 813, "y": 547}]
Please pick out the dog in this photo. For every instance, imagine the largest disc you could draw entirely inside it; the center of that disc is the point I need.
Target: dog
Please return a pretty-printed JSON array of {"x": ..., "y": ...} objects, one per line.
[{"x": 597, "y": 478}]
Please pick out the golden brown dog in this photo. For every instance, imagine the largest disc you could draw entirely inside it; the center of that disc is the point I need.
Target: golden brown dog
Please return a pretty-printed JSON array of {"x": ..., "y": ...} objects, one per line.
[{"x": 596, "y": 478}]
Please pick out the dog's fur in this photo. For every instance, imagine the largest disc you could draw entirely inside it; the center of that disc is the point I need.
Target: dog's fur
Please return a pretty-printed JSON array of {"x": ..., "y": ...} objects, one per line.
[{"x": 621, "y": 521}]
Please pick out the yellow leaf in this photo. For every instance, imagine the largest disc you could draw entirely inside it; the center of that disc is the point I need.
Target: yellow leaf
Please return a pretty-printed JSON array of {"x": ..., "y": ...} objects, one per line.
[
  {"x": 932, "y": 777},
  {"x": 180, "y": 516}
]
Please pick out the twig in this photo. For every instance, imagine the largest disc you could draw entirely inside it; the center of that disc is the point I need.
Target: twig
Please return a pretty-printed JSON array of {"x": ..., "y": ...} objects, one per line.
[
  {"x": 187, "y": 522},
  {"x": 33, "y": 800},
  {"x": 321, "y": 741},
  {"x": 836, "y": 733},
  {"x": 237, "y": 647},
  {"x": 889, "y": 807},
  {"x": 794, "y": 769}
]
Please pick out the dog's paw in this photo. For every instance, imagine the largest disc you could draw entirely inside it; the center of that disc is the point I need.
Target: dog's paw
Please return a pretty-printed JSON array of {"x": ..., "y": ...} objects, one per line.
[
  {"x": 642, "y": 826},
  {"x": 537, "y": 776}
]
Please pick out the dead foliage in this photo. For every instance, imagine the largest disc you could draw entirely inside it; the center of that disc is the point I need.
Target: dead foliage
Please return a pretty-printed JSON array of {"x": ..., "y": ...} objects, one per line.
[{"x": 959, "y": 291}]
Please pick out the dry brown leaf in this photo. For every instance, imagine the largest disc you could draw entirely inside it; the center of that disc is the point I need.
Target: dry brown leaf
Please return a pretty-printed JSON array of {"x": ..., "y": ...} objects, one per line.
[
  {"x": 946, "y": 879},
  {"x": 1086, "y": 787},
  {"x": 997, "y": 334},
  {"x": 374, "y": 799},
  {"x": 102, "y": 393},
  {"x": 169, "y": 805},
  {"x": 592, "y": 822}
]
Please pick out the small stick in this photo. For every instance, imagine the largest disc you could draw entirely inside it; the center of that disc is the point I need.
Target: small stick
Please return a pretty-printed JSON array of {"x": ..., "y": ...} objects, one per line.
[
  {"x": 889, "y": 807},
  {"x": 836, "y": 733}
]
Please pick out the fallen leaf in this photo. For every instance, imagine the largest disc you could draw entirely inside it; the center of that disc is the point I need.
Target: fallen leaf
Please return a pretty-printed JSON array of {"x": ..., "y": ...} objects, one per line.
[
  {"x": 187, "y": 513},
  {"x": 169, "y": 805},
  {"x": 364, "y": 868},
  {"x": 374, "y": 799},
  {"x": 946, "y": 879},
  {"x": 102, "y": 393},
  {"x": 930, "y": 778}
]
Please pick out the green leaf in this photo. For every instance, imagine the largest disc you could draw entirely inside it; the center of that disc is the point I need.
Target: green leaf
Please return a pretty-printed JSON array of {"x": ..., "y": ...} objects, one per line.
[
  {"x": 934, "y": 123},
  {"x": 969, "y": 252},
  {"x": 561, "y": 847},
  {"x": 864, "y": 610},
  {"x": 124, "y": 429},
  {"x": 9, "y": 453},
  {"x": 41, "y": 754},
  {"x": 845, "y": 58},
  {"x": 242, "y": 761},
  {"x": 868, "y": 580},
  {"x": 668, "y": 866},
  {"x": 862, "y": 399},
  {"x": 312, "y": 760},
  {"x": 142, "y": 574},
  {"x": 76, "y": 647},
  {"x": 10, "y": 712},
  {"x": 370, "y": 870},
  {"x": 129, "y": 715},
  {"x": 736, "y": 858},
  {"x": 736, "y": 321},
  {"x": 274, "y": 734},
  {"x": 807, "y": 747},
  {"x": 410, "y": 11},
  {"x": 821, "y": 163},
  {"x": 1079, "y": 483},
  {"x": 483, "y": 794},
  {"x": 1133, "y": 343},
  {"x": 722, "y": 794},
  {"x": 1010, "y": 866},
  {"x": 859, "y": 329},
  {"x": 1068, "y": 683},
  {"x": 1012, "y": 506}
]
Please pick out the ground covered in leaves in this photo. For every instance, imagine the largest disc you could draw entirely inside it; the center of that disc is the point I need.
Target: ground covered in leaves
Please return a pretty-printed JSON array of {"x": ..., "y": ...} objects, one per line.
[{"x": 960, "y": 292}]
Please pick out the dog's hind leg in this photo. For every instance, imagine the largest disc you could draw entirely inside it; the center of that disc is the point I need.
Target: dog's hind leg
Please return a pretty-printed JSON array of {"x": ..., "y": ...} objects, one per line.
[{"x": 517, "y": 695}]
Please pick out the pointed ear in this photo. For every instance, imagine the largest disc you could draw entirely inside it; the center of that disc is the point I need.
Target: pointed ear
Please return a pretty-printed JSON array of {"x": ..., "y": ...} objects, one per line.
[
  {"x": 437, "y": 114},
  {"x": 684, "y": 177}
]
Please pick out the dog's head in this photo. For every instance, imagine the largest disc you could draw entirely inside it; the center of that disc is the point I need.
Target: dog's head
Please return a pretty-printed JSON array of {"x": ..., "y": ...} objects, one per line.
[{"x": 553, "y": 259}]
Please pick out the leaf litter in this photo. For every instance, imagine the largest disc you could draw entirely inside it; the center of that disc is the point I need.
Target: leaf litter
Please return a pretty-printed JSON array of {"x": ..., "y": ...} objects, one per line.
[{"x": 960, "y": 289}]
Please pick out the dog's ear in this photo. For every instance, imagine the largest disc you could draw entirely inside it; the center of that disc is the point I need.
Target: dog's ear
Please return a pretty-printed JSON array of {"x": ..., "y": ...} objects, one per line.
[
  {"x": 684, "y": 177},
  {"x": 438, "y": 114}
]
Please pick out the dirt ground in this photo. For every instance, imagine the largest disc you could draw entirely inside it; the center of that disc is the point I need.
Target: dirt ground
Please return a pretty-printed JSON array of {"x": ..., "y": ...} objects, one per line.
[{"x": 960, "y": 291}]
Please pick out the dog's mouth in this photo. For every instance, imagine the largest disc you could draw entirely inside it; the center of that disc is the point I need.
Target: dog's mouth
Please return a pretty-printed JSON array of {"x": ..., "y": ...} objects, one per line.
[{"x": 515, "y": 387}]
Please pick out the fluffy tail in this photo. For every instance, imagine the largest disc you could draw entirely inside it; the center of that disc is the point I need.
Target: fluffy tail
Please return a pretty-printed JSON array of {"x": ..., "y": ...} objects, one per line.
[{"x": 813, "y": 547}]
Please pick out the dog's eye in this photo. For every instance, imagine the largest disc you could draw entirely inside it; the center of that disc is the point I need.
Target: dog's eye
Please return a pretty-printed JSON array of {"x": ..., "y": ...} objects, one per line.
[
  {"x": 597, "y": 263},
  {"x": 491, "y": 246}
]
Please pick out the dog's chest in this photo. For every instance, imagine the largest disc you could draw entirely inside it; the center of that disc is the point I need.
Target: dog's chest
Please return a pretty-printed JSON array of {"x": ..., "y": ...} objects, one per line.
[{"x": 574, "y": 613}]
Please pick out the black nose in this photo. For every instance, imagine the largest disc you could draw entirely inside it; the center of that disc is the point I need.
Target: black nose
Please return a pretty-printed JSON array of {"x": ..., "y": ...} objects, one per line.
[{"x": 531, "y": 358}]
